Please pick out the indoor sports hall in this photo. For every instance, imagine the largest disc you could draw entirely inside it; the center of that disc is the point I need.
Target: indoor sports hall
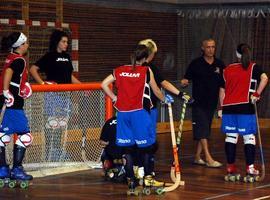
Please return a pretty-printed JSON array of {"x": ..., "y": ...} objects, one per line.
[{"x": 66, "y": 120}]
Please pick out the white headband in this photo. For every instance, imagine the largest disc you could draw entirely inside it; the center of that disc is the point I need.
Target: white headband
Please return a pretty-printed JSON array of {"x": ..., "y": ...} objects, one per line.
[
  {"x": 22, "y": 39},
  {"x": 238, "y": 55}
]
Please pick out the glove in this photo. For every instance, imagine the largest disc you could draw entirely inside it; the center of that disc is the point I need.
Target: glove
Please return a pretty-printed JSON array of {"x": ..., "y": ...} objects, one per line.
[
  {"x": 25, "y": 91},
  {"x": 168, "y": 99},
  {"x": 188, "y": 99},
  {"x": 9, "y": 98},
  {"x": 254, "y": 97}
]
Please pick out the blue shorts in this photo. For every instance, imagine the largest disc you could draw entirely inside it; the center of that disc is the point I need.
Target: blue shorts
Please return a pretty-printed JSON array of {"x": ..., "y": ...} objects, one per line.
[
  {"x": 14, "y": 121},
  {"x": 134, "y": 128},
  {"x": 241, "y": 124},
  {"x": 154, "y": 116}
]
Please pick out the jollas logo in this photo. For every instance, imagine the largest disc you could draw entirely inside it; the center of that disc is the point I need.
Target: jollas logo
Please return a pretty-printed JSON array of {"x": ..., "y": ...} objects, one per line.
[{"x": 127, "y": 74}]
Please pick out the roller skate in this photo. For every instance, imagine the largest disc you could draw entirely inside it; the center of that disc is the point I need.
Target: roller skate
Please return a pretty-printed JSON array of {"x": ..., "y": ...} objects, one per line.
[
  {"x": 19, "y": 177},
  {"x": 4, "y": 176},
  {"x": 117, "y": 174},
  {"x": 150, "y": 184},
  {"x": 139, "y": 174},
  {"x": 252, "y": 174},
  {"x": 232, "y": 174},
  {"x": 132, "y": 190}
]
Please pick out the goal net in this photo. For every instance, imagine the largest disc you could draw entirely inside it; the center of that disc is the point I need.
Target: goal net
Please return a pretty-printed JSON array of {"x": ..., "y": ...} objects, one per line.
[{"x": 65, "y": 121}]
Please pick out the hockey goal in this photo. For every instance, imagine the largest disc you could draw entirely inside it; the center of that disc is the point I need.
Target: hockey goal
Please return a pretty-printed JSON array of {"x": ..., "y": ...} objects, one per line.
[{"x": 65, "y": 121}]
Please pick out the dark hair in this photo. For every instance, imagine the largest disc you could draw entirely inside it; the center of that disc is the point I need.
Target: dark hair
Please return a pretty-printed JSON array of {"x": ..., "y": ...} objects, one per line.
[
  {"x": 55, "y": 38},
  {"x": 245, "y": 52},
  {"x": 7, "y": 42},
  {"x": 140, "y": 52}
]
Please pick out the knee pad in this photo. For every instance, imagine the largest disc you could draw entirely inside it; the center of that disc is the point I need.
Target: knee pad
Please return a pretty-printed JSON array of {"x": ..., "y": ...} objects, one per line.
[
  {"x": 249, "y": 139},
  {"x": 24, "y": 140},
  {"x": 4, "y": 139},
  {"x": 231, "y": 138}
]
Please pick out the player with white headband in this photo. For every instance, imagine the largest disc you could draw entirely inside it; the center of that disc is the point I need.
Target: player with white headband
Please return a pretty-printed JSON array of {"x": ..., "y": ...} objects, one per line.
[{"x": 14, "y": 88}]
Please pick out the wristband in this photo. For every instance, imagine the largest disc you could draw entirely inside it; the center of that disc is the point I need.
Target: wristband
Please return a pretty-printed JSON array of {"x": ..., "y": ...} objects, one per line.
[{"x": 256, "y": 94}]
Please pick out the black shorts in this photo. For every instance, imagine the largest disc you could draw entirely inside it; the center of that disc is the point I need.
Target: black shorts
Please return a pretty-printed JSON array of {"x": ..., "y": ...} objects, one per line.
[{"x": 201, "y": 122}]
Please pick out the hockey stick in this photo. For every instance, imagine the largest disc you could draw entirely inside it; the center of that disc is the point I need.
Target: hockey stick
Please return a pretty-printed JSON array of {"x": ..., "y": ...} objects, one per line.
[
  {"x": 3, "y": 110},
  {"x": 175, "y": 155},
  {"x": 179, "y": 136},
  {"x": 260, "y": 144}
]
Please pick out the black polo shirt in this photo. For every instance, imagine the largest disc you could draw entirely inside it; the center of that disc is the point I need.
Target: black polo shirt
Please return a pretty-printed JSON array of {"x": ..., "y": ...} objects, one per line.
[
  {"x": 56, "y": 66},
  {"x": 206, "y": 80},
  {"x": 159, "y": 79}
]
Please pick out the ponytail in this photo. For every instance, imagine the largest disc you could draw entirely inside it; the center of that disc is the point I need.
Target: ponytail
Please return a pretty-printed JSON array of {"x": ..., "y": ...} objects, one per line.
[
  {"x": 140, "y": 53},
  {"x": 243, "y": 52}
]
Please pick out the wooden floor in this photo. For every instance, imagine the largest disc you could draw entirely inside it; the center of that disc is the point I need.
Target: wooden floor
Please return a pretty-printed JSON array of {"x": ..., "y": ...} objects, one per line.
[{"x": 200, "y": 182}]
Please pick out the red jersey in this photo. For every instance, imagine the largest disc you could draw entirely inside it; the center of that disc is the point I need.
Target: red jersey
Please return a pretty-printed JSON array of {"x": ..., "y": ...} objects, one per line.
[
  {"x": 237, "y": 84},
  {"x": 131, "y": 85},
  {"x": 10, "y": 58}
]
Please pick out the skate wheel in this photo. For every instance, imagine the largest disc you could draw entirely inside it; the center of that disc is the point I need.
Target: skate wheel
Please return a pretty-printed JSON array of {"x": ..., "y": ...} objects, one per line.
[
  {"x": 135, "y": 192},
  {"x": 111, "y": 175},
  {"x": 251, "y": 179},
  {"x": 159, "y": 191},
  {"x": 238, "y": 176},
  {"x": 141, "y": 182},
  {"x": 24, "y": 184},
  {"x": 146, "y": 191},
  {"x": 12, "y": 184},
  {"x": 226, "y": 178},
  {"x": 2, "y": 183},
  {"x": 257, "y": 178},
  {"x": 232, "y": 178}
]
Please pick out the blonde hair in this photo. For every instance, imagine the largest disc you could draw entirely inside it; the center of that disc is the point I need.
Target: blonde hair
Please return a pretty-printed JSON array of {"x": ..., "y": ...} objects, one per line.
[{"x": 150, "y": 44}]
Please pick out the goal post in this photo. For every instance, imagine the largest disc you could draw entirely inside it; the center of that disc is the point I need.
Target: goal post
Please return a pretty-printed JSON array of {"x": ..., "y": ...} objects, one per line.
[{"x": 65, "y": 121}]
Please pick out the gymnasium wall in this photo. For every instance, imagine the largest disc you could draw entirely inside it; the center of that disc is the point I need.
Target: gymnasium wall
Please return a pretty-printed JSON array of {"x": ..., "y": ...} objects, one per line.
[{"x": 106, "y": 35}]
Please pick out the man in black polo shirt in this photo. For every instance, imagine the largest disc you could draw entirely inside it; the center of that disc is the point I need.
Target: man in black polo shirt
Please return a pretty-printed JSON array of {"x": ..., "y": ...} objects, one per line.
[{"x": 205, "y": 73}]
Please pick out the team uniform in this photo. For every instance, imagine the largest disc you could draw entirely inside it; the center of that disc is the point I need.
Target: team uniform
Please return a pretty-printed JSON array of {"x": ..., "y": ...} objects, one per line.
[
  {"x": 133, "y": 103},
  {"x": 206, "y": 80},
  {"x": 15, "y": 120},
  {"x": 238, "y": 113},
  {"x": 57, "y": 68}
]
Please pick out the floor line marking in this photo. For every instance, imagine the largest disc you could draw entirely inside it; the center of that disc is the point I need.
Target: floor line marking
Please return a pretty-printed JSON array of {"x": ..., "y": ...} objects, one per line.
[{"x": 237, "y": 192}]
